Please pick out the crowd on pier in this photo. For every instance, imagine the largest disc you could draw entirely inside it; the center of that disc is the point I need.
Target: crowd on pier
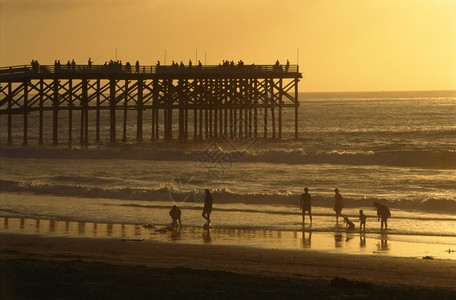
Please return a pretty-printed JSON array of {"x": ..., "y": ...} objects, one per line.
[{"x": 118, "y": 67}]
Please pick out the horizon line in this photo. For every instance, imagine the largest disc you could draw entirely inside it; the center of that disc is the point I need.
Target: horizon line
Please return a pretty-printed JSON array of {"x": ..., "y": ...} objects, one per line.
[{"x": 381, "y": 91}]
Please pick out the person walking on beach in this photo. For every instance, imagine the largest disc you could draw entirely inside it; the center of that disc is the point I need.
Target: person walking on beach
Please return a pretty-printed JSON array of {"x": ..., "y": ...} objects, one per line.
[
  {"x": 305, "y": 205},
  {"x": 175, "y": 214},
  {"x": 339, "y": 204},
  {"x": 362, "y": 220},
  {"x": 207, "y": 209},
  {"x": 383, "y": 213}
]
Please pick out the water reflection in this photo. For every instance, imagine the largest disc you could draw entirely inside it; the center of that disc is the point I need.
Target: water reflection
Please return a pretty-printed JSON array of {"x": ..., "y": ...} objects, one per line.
[
  {"x": 338, "y": 240},
  {"x": 306, "y": 239},
  {"x": 175, "y": 234},
  {"x": 362, "y": 241},
  {"x": 37, "y": 226},
  {"x": 207, "y": 236},
  {"x": 382, "y": 245},
  {"x": 109, "y": 229},
  {"x": 52, "y": 226},
  {"x": 81, "y": 228}
]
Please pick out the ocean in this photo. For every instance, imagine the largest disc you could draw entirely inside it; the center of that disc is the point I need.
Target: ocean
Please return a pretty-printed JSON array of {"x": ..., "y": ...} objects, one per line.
[{"x": 396, "y": 148}]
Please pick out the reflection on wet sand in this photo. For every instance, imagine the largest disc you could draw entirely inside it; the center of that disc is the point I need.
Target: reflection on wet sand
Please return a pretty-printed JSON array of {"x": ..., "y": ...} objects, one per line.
[
  {"x": 338, "y": 241},
  {"x": 382, "y": 245},
  {"x": 342, "y": 239},
  {"x": 306, "y": 239},
  {"x": 207, "y": 236}
]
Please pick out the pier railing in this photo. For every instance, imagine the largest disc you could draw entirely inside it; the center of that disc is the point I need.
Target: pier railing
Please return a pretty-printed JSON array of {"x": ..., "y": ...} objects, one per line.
[{"x": 116, "y": 68}]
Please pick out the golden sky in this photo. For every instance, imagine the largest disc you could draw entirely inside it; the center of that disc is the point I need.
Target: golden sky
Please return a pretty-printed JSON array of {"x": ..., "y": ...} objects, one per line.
[{"x": 344, "y": 45}]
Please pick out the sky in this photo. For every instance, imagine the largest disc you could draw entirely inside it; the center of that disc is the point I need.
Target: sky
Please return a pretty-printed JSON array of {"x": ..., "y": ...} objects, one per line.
[{"x": 340, "y": 45}]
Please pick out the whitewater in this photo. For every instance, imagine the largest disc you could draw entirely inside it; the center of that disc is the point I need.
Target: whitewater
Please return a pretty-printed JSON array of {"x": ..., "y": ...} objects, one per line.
[{"x": 397, "y": 148}]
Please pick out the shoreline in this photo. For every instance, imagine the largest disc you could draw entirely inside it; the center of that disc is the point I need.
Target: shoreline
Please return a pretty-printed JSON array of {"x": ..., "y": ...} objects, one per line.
[{"x": 305, "y": 270}]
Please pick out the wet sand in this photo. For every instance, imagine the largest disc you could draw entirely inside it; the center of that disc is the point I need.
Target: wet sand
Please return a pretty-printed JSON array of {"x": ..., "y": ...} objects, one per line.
[
  {"x": 50, "y": 267},
  {"x": 340, "y": 240}
]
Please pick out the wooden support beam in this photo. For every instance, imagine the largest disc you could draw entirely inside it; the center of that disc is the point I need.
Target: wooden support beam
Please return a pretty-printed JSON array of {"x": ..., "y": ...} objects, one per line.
[
  {"x": 10, "y": 119},
  {"x": 97, "y": 114},
  {"x": 41, "y": 117},
  {"x": 84, "y": 114},
  {"x": 280, "y": 100},
  {"x": 296, "y": 109},
  {"x": 25, "y": 109},
  {"x": 70, "y": 112},
  {"x": 139, "y": 113},
  {"x": 112, "y": 111},
  {"x": 125, "y": 112},
  {"x": 55, "y": 113},
  {"x": 181, "y": 109}
]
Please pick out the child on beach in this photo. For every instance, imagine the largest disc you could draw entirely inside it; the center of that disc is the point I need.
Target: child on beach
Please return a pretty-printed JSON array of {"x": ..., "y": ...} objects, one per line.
[
  {"x": 305, "y": 205},
  {"x": 349, "y": 224},
  {"x": 175, "y": 214},
  {"x": 207, "y": 209},
  {"x": 362, "y": 220}
]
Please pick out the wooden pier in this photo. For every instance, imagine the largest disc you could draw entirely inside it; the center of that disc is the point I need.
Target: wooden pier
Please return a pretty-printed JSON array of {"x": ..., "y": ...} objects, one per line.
[{"x": 180, "y": 102}]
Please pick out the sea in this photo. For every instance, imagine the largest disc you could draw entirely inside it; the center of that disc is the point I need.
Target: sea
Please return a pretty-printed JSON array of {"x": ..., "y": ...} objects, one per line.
[{"x": 396, "y": 148}]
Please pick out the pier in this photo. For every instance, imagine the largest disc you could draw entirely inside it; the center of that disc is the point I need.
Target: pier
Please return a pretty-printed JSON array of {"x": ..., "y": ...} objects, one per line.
[{"x": 90, "y": 104}]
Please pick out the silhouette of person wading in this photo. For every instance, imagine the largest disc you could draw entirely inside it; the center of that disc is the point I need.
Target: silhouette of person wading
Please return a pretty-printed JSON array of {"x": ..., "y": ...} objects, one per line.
[
  {"x": 306, "y": 205},
  {"x": 207, "y": 209},
  {"x": 383, "y": 213},
  {"x": 362, "y": 220},
  {"x": 339, "y": 204}
]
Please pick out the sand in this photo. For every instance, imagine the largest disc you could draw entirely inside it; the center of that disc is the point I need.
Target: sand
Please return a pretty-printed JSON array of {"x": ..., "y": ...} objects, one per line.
[{"x": 36, "y": 266}]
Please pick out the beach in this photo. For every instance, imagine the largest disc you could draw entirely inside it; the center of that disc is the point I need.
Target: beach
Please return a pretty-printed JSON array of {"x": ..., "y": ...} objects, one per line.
[
  {"x": 71, "y": 219},
  {"x": 43, "y": 267}
]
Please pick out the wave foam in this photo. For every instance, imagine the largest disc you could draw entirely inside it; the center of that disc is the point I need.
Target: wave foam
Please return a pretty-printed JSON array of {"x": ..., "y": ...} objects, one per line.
[
  {"x": 167, "y": 192},
  {"x": 418, "y": 158}
]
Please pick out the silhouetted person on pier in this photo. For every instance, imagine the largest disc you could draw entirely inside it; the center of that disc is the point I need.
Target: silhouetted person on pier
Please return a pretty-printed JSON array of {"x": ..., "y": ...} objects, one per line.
[
  {"x": 175, "y": 214},
  {"x": 339, "y": 204},
  {"x": 68, "y": 64},
  {"x": 287, "y": 66},
  {"x": 89, "y": 63},
  {"x": 57, "y": 66},
  {"x": 73, "y": 65},
  {"x": 35, "y": 66},
  {"x": 207, "y": 209},
  {"x": 277, "y": 67},
  {"x": 362, "y": 220},
  {"x": 383, "y": 213},
  {"x": 137, "y": 66},
  {"x": 306, "y": 205}
]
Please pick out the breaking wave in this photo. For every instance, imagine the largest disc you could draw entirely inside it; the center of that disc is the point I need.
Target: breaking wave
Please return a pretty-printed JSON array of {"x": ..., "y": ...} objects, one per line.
[
  {"x": 412, "y": 158},
  {"x": 171, "y": 193}
]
